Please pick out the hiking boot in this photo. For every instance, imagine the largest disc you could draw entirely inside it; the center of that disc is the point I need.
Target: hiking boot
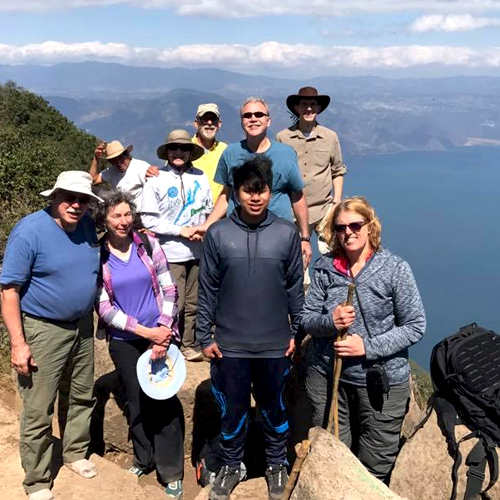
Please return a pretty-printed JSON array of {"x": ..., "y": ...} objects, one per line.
[
  {"x": 225, "y": 482},
  {"x": 276, "y": 477},
  {"x": 174, "y": 489},
  {"x": 192, "y": 354}
]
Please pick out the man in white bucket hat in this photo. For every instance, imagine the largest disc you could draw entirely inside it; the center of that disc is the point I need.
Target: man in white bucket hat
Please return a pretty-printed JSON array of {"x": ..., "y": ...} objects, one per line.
[
  {"x": 48, "y": 285},
  {"x": 125, "y": 173}
]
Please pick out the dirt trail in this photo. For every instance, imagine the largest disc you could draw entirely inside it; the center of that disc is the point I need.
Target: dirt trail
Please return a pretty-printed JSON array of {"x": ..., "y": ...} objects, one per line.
[{"x": 112, "y": 483}]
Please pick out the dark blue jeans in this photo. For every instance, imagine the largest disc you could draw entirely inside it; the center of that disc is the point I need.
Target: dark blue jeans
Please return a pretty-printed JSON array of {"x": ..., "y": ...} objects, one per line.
[{"x": 232, "y": 381}]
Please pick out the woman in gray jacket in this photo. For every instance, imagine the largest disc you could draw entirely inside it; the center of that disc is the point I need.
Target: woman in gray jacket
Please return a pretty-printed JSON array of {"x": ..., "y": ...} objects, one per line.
[{"x": 386, "y": 318}]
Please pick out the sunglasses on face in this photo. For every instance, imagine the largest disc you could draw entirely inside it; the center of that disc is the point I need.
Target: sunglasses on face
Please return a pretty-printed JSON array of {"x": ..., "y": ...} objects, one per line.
[
  {"x": 257, "y": 114},
  {"x": 70, "y": 198},
  {"x": 206, "y": 119},
  {"x": 183, "y": 147},
  {"x": 355, "y": 227}
]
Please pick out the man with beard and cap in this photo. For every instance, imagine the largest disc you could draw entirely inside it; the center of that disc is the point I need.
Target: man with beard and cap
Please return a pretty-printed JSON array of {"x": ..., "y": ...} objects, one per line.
[
  {"x": 207, "y": 124},
  {"x": 125, "y": 173},
  {"x": 48, "y": 286},
  {"x": 173, "y": 204},
  {"x": 318, "y": 150}
]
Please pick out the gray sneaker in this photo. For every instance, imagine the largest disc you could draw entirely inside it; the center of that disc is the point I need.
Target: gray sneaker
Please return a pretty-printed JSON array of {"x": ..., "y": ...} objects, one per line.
[
  {"x": 224, "y": 483},
  {"x": 277, "y": 477}
]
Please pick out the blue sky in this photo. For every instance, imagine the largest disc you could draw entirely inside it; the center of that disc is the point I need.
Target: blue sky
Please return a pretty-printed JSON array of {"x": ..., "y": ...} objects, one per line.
[{"x": 289, "y": 38}]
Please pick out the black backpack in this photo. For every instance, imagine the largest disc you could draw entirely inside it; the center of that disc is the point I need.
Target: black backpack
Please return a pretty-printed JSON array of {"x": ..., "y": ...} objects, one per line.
[{"x": 465, "y": 371}]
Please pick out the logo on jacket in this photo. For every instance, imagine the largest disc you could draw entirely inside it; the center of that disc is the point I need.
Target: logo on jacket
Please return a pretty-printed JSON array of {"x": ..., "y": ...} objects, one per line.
[{"x": 172, "y": 192}]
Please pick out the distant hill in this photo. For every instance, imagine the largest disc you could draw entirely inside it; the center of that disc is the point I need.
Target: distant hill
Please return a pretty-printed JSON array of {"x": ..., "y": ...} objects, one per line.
[
  {"x": 371, "y": 114},
  {"x": 36, "y": 144}
]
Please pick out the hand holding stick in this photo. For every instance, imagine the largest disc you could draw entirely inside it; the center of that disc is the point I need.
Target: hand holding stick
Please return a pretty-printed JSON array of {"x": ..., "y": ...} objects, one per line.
[{"x": 333, "y": 417}]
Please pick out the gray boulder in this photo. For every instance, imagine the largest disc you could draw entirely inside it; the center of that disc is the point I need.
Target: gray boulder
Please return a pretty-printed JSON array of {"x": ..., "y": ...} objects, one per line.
[{"x": 332, "y": 472}]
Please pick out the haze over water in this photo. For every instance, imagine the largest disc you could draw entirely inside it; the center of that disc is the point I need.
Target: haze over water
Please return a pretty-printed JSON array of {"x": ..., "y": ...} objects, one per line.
[{"x": 440, "y": 211}]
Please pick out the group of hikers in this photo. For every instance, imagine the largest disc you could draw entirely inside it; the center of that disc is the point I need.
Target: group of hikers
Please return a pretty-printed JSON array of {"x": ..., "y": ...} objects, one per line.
[{"x": 211, "y": 252}]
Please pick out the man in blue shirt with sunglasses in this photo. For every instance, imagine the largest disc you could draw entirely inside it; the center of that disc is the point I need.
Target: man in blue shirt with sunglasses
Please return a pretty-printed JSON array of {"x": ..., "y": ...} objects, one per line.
[{"x": 287, "y": 200}]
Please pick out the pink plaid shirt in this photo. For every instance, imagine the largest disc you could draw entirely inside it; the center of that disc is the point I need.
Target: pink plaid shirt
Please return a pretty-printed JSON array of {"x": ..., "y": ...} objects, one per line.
[{"x": 164, "y": 290}]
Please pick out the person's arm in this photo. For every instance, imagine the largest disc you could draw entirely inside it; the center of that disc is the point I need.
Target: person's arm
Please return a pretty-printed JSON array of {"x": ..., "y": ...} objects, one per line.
[
  {"x": 299, "y": 206},
  {"x": 316, "y": 319},
  {"x": 114, "y": 317},
  {"x": 338, "y": 169},
  {"x": 208, "y": 290},
  {"x": 94, "y": 166},
  {"x": 20, "y": 357},
  {"x": 295, "y": 283},
  {"x": 338, "y": 186},
  {"x": 409, "y": 315},
  {"x": 220, "y": 209}
]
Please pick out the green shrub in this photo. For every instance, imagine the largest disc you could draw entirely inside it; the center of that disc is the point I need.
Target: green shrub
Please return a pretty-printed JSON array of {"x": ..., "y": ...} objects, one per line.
[
  {"x": 37, "y": 143},
  {"x": 423, "y": 384}
]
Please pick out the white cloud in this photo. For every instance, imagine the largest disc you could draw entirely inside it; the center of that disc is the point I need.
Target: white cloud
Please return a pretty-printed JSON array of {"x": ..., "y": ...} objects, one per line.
[
  {"x": 452, "y": 23},
  {"x": 269, "y": 55},
  {"x": 244, "y": 8}
]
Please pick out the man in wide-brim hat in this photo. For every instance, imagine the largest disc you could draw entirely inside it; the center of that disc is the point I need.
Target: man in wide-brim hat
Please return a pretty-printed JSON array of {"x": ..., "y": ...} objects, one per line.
[
  {"x": 318, "y": 151},
  {"x": 48, "y": 283},
  {"x": 173, "y": 204},
  {"x": 125, "y": 172}
]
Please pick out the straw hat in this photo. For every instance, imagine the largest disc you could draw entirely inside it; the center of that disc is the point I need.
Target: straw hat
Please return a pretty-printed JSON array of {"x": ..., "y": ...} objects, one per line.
[
  {"x": 180, "y": 136},
  {"x": 75, "y": 181},
  {"x": 307, "y": 93},
  {"x": 116, "y": 148},
  {"x": 162, "y": 378}
]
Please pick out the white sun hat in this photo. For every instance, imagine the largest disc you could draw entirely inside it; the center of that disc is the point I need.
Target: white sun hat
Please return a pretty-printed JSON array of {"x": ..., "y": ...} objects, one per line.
[
  {"x": 162, "y": 378},
  {"x": 75, "y": 181}
]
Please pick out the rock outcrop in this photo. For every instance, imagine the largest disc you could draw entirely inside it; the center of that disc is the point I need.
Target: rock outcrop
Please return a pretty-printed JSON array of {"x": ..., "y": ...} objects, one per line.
[
  {"x": 423, "y": 468},
  {"x": 332, "y": 472}
]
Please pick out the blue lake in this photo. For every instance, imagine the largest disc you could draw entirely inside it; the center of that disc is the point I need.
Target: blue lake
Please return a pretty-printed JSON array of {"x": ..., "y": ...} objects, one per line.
[{"x": 440, "y": 211}]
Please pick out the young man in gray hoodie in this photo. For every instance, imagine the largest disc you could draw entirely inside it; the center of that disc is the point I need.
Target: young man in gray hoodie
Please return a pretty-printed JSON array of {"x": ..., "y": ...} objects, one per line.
[{"x": 250, "y": 284}]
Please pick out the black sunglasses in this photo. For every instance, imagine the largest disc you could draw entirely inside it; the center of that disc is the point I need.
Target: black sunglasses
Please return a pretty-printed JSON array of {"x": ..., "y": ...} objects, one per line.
[
  {"x": 209, "y": 118},
  {"x": 70, "y": 198},
  {"x": 257, "y": 114},
  {"x": 355, "y": 227},
  {"x": 182, "y": 147}
]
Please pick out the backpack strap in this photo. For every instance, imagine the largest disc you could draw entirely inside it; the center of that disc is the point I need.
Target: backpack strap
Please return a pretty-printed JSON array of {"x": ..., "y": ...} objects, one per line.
[
  {"x": 147, "y": 244},
  {"x": 484, "y": 451},
  {"x": 447, "y": 420}
]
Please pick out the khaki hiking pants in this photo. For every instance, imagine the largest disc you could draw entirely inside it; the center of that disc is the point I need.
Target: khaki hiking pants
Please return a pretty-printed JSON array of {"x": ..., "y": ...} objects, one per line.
[
  {"x": 64, "y": 354},
  {"x": 185, "y": 275}
]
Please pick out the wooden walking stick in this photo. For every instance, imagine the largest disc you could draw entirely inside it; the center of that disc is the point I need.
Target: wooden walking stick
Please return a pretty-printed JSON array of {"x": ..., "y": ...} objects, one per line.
[
  {"x": 333, "y": 416},
  {"x": 302, "y": 449}
]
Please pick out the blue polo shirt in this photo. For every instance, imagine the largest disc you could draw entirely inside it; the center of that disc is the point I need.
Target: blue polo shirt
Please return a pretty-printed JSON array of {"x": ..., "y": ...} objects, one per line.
[
  {"x": 56, "y": 270},
  {"x": 286, "y": 174}
]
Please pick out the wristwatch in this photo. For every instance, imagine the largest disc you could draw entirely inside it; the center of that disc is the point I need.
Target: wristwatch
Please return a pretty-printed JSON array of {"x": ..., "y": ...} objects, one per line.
[{"x": 305, "y": 238}]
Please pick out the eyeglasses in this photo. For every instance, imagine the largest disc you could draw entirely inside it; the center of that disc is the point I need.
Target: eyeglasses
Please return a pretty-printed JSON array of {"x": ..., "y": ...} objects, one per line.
[
  {"x": 183, "y": 147},
  {"x": 72, "y": 197},
  {"x": 208, "y": 118},
  {"x": 257, "y": 114},
  {"x": 355, "y": 227}
]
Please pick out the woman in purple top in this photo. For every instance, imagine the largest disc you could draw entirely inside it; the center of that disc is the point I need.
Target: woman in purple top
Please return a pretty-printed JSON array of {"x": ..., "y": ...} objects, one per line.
[{"x": 137, "y": 302}]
